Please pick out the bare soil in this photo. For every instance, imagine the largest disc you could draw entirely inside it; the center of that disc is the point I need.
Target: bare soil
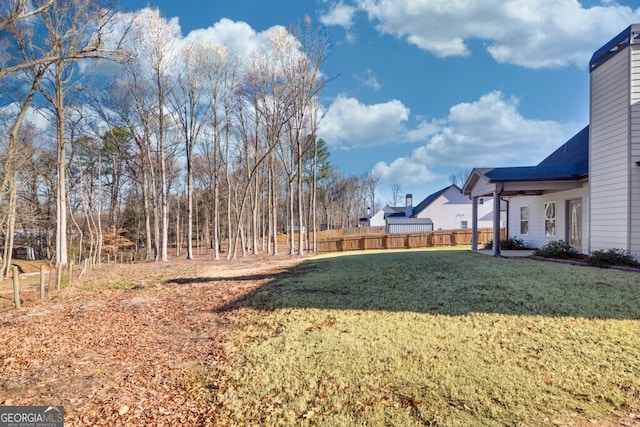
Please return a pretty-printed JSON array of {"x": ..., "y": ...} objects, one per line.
[{"x": 113, "y": 346}]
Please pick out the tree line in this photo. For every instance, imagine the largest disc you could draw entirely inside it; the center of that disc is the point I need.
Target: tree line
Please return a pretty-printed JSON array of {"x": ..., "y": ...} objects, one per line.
[{"x": 118, "y": 133}]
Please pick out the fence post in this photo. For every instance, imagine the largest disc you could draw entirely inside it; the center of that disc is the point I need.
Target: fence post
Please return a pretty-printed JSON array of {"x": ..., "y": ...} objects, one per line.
[
  {"x": 70, "y": 272},
  {"x": 16, "y": 287},
  {"x": 41, "y": 282},
  {"x": 58, "y": 276}
]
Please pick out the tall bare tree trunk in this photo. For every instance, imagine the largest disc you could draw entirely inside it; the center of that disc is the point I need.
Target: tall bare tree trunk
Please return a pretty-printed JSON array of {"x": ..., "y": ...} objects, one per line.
[
  {"x": 301, "y": 227},
  {"x": 11, "y": 231},
  {"x": 164, "y": 202},
  {"x": 61, "y": 163},
  {"x": 10, "y": 172},
  {"x": 100, "y": 236}
]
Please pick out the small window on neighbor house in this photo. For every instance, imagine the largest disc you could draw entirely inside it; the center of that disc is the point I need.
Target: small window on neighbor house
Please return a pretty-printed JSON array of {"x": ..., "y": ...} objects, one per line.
[
  {"x": 524, "y": 220},
  {"x": 481, "y": 200},
  {"x": 550, "y": 219},
  {"x": 464, "y": 224}
]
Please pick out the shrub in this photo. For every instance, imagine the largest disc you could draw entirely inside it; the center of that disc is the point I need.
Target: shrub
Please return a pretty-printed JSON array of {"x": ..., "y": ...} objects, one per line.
[
  {"x": 609, "y": 257},
  {"x": 508, "y": 244},
  {"x": 557, "y": 249},
  {"x": 512, "y": 243}
]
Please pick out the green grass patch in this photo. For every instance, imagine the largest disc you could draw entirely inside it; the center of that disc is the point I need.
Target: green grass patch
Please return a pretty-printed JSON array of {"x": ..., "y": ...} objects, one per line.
[{"x": 446, "y": 338}]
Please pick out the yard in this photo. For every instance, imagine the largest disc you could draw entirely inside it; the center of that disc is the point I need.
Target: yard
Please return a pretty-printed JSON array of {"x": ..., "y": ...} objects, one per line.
[{"x": 423, "y": 337}]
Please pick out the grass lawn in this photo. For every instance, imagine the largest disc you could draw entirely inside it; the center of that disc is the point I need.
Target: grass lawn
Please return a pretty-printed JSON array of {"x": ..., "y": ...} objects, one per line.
[{"x": 432, "y": 337}]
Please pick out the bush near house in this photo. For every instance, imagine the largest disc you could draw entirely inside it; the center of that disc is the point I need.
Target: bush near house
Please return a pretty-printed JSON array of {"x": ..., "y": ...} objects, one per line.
[
  {"x": 558, "y": 249},
  {"x": 609, "y": 257},
  {"x": 512, "y": 243}
]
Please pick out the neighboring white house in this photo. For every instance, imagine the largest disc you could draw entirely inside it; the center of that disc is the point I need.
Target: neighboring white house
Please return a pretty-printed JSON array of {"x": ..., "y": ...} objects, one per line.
[
  {"x": 379, "y": 218},
  {"x": 587, "y": 192},
  {"x": 446, "y": 209}
]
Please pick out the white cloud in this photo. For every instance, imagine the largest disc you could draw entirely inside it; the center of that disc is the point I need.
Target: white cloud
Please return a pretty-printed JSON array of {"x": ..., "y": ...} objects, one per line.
[
  {"x": 370, "y": 80},
  {"x": 491, "y": 132},
  {"x": 487, "y": 132},
  {"x": 37, "y": 118},
  {"x": 237, "y": 36},
  {"x": 340, "y": 14},
  {"x": 349, "y": 122},
  {"x": 540, "y": 34},
  {"x": 404, "y": 171}
]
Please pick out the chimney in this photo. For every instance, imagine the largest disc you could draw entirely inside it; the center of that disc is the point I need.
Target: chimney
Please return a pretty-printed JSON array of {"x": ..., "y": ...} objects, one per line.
[{"x": 409, "y": 205}]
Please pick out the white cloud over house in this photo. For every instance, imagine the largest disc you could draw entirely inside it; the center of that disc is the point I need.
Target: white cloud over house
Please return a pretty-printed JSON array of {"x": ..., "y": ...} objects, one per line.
[
  {"x": 540, "y": 34},
  {"x": 489, "y": 131}
]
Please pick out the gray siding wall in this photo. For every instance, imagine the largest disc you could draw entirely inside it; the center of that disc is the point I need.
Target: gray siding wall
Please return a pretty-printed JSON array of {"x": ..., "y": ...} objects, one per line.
[
  {"x": 609, "y": 154},
  {"x": 634, "y": 178},
  {"x": 408, "y": 228}
]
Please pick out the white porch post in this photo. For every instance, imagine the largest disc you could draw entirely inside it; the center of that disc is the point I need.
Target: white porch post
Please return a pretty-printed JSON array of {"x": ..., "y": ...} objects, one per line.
[
  {"x": 474, "y": 224},
  {"x": 496, "y": 222}
]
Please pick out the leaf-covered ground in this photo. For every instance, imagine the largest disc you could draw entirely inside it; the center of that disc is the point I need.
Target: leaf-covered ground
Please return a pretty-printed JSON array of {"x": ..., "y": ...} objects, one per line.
[{"x": 115, "y": 347}]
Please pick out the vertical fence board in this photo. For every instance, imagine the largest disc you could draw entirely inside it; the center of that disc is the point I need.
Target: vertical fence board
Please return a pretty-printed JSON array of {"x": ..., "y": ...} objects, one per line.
[{"x": 429, "y": 239}]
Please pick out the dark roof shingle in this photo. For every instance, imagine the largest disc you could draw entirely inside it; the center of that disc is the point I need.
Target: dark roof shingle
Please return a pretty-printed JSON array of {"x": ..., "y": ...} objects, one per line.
[{"x": 569, "y": 161}]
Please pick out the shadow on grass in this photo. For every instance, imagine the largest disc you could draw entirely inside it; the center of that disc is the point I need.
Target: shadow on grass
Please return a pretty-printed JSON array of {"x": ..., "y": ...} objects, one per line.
[
  {"x": 449, "y": 283},
  {"x": 242, "y": 278}
]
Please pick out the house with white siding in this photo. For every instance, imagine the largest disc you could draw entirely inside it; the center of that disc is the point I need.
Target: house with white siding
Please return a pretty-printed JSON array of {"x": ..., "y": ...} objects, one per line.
[
  {"x": 379, "y": 218},
  {"x": 587, "y": 192},
  {"x": 446, "y": 209}
]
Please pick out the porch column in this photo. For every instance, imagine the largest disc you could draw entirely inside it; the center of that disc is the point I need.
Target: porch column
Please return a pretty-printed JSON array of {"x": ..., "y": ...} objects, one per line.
[
  {"x": 474, "y": 224},
  {"x": 496, "y": 222}
]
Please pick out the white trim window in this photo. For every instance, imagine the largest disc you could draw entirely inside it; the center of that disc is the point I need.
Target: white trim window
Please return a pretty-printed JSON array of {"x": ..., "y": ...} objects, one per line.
[
  {"x": 550, "y": 219},
  {"x": 524, "y": 219}
]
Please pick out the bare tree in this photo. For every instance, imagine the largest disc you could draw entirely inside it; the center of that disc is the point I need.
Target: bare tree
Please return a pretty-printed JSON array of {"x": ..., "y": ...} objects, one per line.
[
  {"x": 396, "y": 193},
  {"x": 12, "y": 11},
  {"x": 459, "y": 178},
  {"x": 190, "y": 107},
  {"x": 370, "y": 182},
  {"x": 155, "y": 48},
  {"x": 127, "y": 105},
  {"x": 74, "y": 30},
  {"x": 11, "y": 166},
  {"x": 303, "y": 74}
]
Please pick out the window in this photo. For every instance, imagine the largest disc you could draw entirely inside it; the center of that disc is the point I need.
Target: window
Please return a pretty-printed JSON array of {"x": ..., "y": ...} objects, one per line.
[
  {"x": 464, "y": 224},
  {"x": 550, "y": 219},
  {"x": 524, "y": 220}
]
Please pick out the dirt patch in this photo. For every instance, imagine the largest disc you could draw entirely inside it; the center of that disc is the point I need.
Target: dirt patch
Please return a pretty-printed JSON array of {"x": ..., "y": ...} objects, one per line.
[{"x": 113, "y": 346}]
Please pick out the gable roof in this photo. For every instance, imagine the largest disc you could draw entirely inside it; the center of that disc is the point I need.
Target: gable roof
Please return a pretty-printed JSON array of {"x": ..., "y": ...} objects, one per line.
[
  {"x": 569, "y": 162},
  {"x": 424, "y": 204},
  {"x": 432, "y": 198}
]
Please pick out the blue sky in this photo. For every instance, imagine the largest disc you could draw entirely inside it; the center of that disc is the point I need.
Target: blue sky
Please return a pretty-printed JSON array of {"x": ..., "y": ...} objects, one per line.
[{"x": 424, "y": 89}]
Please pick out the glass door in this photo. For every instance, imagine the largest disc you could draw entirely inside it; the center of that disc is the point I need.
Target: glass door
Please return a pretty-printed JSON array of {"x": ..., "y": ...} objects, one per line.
[{"x": 574, "y": 224}]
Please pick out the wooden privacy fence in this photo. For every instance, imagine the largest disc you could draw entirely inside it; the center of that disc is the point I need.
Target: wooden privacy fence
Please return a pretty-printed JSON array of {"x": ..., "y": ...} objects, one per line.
[{"x": 428, "y": 239}]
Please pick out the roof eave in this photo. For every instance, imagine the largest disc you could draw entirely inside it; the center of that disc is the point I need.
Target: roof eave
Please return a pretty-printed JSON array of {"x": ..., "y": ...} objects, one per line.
[{"x": 540, "y": 179}]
